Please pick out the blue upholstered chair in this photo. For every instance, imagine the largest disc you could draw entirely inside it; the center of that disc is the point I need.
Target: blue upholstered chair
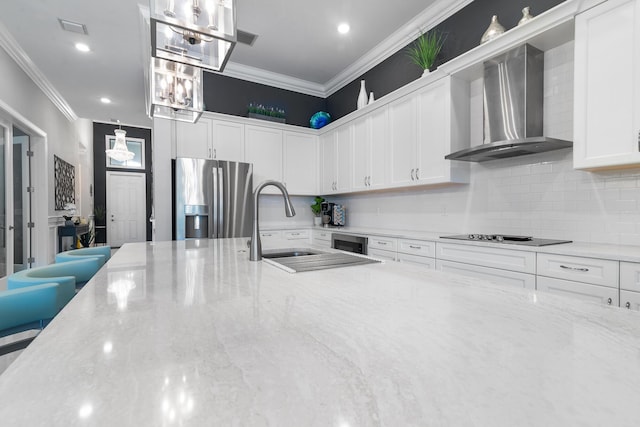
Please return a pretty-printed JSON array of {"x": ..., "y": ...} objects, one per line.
[
  {"x": 71, "y": 275},
  {"x": 31, "y": 307},
  {"x": 102, "y": 252},
  {"x": 27, "y": 308}
]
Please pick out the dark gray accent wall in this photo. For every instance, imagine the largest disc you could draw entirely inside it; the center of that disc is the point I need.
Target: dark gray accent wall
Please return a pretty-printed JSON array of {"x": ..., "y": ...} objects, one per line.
[
  {"x": 100, "y": 130},
  {"x": 464, "y": 29},
  {"x": 228, "y": 95}
]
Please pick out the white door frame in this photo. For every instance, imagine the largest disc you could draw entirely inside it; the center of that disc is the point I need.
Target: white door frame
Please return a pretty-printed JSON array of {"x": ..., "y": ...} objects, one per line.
[{"x": 143, "y": 201}]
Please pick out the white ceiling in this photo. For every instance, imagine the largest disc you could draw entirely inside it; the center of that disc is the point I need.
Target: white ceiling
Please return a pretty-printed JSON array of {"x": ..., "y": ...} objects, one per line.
[{"x": 297, "y": 40}]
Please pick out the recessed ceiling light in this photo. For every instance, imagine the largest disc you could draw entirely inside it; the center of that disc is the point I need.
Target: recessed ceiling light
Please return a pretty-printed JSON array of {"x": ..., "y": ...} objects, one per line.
[
  {"x": 343, "y": 28},
  {"x": 105, "y": 100},
  {"x": 82, "y": 47}
]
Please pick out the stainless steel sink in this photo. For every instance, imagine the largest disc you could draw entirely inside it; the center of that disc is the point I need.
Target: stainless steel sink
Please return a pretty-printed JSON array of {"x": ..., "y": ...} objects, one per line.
[{"x": 304, "y": 259}]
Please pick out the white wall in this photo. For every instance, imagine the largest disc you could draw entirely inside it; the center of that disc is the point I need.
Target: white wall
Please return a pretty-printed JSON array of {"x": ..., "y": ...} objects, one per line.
[
  {"x": 25, "y": 99},
  {"x": 539, "y": 195}
]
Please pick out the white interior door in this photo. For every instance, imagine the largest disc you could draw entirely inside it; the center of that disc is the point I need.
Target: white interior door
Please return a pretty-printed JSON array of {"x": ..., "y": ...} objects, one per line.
[{"x": 126, "y": 208}]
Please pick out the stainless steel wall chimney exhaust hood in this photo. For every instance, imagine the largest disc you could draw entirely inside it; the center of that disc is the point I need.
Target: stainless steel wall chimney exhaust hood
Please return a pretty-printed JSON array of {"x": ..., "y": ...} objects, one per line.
[{"x": 513, "y": 108}]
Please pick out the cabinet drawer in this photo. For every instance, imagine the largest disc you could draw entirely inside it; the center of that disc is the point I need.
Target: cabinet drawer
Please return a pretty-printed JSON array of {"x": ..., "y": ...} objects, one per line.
[
  {"x": 630, "y": 276},
  {"x": 322, "y": 235},
  {"x": 588, "y": 270},
  {"x": 296, "y": 234},
  {"x": 383, "y": 243},
  {"x": 494, "y": 275},
  {"x": 584, "y": 291},
  {"x": 630, "y": 300},
  {"x": 382, "y": 254},
  {"x": 417, "y": 247},
  {"x": 505, "y": 259},
  {"x": 276, "y": 234},
  {"x": 427, "y": 262}
]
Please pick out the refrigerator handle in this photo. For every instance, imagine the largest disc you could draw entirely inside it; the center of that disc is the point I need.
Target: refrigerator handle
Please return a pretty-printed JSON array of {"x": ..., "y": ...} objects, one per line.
[
  {"x": 214, "y": 219},
  {"x": 221, "y": 218}
]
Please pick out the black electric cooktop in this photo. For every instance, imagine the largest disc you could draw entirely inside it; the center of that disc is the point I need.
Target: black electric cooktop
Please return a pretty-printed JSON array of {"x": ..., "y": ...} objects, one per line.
[{"x": 506, "y": 239}]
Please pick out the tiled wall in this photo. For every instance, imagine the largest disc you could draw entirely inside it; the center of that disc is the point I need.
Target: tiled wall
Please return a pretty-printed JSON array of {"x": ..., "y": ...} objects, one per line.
[{"x": 541, "y": 194}]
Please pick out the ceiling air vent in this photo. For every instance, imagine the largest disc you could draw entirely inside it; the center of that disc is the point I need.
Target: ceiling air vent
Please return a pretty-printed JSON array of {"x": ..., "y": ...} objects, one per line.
[
  {"x": 246, "y": 38},
  {"x": 73, "y": 27}
]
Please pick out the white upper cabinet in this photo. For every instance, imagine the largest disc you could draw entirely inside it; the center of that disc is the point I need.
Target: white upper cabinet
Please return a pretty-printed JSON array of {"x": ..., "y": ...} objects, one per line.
[
  {"x": 263, "y": 148},
  {"x": 424, "y": 127},
  {"x": 328, "y": 164},
  {"x": 301, "y": 163},
  {"x": 194, "y": 139},
  {"x": 606, "y": 86},
  {"x": 344, "y": 140},
  {"x": 370, "y": 150},
  {"x": 227, "y": 140}
]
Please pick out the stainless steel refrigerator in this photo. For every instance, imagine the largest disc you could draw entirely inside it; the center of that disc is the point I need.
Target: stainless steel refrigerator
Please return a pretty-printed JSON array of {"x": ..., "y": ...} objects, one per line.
[{"x": 212, "y": 198}]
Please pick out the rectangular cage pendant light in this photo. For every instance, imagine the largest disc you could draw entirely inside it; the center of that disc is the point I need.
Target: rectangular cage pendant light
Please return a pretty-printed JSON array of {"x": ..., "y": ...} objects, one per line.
[
  {"x": 176, "y": 91},
  {"x": 201, "y": 33}
]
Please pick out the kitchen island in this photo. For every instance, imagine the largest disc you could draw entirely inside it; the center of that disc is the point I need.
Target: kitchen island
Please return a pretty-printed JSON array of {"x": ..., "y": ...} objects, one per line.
[{"x": 192, "y": 333}]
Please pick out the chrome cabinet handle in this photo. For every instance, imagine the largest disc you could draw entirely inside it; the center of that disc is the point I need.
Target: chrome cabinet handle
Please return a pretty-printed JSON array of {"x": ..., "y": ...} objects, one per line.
[
  {"x": 609, "y": 301},
  {"x": 415, "y": 247},
  {"x": 215, "y": 154},
  {"x": 295, "y": 234},
  {"x": 417, "y": 176},
  {"x": 266, "y": 234},
  {"x": 566, "y": 267},
  {"x": 412, "y": 175},
  {"x": 369, "y": 180},
  {"x": 382, "y": 243},
  {"x": 365, "y": 181},
  {"x": 628, "y": 304},
  {"x": 639, "y": 140}
]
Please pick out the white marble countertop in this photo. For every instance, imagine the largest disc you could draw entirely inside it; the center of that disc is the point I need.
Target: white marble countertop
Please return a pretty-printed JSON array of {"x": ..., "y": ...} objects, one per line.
[
  {"x": 192, "y": 333},
  {"x": 630, "y": 253}
]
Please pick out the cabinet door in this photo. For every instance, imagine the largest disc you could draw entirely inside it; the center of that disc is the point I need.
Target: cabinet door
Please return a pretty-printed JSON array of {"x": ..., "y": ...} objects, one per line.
[
  {"x": 344, "y": 138},
  {"x": 194, "y": 139},
  {"x": 263, "y": 148},
  {"x": 606, "y": 87},
  {"x": 429, "y": 263},
  {"x": 583, "y": 291},
  {"x": 493, "y": 275},
  {"x": 300, "y": 163},
  {"x": 328, "y": 150},
  {"x": 402, "y": 140},
  {"x": 378, "y": 148},
  {"x": 433, "y": 133},
  {"x": 361, "y": 153},
  {"x": 630, "y": 300},
  {"x": 227, "y": 141}
]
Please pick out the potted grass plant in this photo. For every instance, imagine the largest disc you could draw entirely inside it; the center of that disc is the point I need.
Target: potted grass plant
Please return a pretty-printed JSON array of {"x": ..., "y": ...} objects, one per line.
[
  {"x": 425, "y": 49},
  {"x": 316, "y": 208}
]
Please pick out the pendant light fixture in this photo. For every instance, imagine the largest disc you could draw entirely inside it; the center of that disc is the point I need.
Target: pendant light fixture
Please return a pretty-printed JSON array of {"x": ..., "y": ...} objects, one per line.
[
  {"x": 201, "y": 33},
  {"x": 120, "y": 151},
  {"x": 176, "y": 91}
]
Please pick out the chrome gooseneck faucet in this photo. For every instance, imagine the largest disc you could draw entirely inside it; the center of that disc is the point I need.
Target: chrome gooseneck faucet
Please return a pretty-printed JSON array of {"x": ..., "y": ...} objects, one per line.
[{"x": 255, "y": 251}]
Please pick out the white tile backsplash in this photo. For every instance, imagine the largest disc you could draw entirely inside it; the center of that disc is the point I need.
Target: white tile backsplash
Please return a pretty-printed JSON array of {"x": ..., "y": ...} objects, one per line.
[{"x": 539, "y": 195}]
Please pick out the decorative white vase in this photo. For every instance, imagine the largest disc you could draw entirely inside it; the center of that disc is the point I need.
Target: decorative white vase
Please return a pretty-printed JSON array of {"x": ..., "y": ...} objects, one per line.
[
  {"x": 494, "y": 30},
  {"x": 526, "y": 16},
  {"x": 317, "y": 221},
  {"x": 425, "y": 72},
  {"x": 371, "y": 98},
  {"x": 362, "y": 96}
]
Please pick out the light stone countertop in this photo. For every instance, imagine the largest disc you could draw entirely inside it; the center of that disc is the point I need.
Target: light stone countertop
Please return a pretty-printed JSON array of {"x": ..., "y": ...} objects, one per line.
[
  {"x": 191, "y": 333},
  {"x": 629, "y": 253}
]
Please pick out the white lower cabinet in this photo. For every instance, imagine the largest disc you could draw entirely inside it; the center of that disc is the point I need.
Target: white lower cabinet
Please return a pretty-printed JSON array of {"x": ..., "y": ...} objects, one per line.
[
  {"x": 630, "y": 300},
  {"x": 494, "y": 275},
  {"x": 321, "y": 238},
  {"x": 270, "y": 236},
  {"x": 382, "y": 254},
  {"x": 504, "y": 259},
  {"x": 424, "y": 261},
  {"x": 584, "y": 291},
  {"x": 302, "y": 235}
]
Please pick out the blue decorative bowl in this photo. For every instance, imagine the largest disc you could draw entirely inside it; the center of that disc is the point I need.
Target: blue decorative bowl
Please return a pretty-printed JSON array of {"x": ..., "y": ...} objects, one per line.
[{"x": 319, "y": 120}]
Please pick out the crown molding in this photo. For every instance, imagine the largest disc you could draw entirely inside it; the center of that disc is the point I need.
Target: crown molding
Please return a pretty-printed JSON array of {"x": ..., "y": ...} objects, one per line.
[
  {"x": 13, "y": 49},
  {"x": 427, "y": 19},
  {"x": 269, "y": 78}
]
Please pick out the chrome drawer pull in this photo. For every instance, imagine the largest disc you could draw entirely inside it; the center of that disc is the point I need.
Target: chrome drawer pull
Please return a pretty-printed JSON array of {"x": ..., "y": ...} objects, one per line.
[
  {"x": 566, "y": 267},
  {"x": 415, "y": 247},
  {"x": 295, "y": 234},
  {"x": 382, "y": 243},
  {"x": 609, "y": 301},
  {"x": 628, "y": 304}
]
